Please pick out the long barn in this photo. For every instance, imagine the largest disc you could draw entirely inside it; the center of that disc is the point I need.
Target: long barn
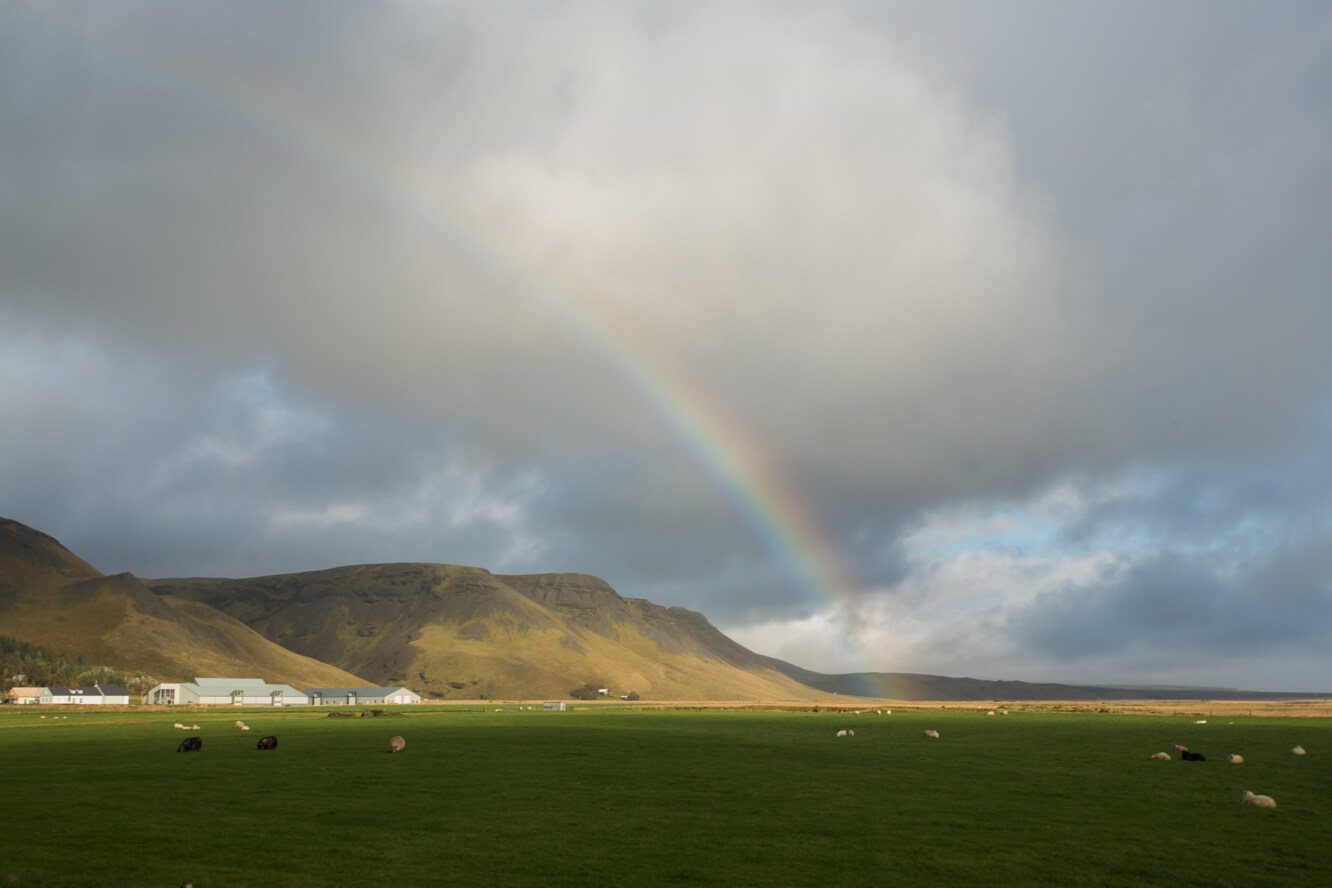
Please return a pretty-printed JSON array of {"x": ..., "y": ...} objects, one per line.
[
  {"x": 361, "y": 696},
  {"x": 232, "y": 691}
]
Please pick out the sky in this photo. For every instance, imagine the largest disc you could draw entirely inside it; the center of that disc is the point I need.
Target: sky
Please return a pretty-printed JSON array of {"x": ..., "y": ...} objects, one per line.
[{"x": 970, "y": 339}]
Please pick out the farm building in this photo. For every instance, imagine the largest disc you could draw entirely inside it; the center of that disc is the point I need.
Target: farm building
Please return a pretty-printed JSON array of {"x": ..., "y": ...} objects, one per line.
[
  {"x": 96, "y": 695},
  {"x": 553, "y": 706},
  {"x": 225, "y": 691},
  {"x": 25, "y": 695},
  {"x": 360, "y": 696}
]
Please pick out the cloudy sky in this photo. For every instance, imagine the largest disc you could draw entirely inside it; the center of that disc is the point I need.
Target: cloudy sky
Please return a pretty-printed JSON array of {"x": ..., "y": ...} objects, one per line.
[{"x": 984, "y": 339}]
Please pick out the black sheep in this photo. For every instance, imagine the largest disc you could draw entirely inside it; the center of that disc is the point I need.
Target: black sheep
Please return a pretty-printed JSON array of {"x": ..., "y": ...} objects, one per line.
[
  {"x": 1192, "y": 756},
  {"x": 267, "y": 743},
  {"x": 190, "y": 744}
]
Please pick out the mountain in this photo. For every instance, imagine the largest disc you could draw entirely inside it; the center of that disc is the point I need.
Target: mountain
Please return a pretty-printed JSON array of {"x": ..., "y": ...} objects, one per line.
[
  {"x": 52, "y": 598},
  {"x": 914, "y": 686},
  {"x": 463, "y": 632},
  {"x": 444, "y": 630}
]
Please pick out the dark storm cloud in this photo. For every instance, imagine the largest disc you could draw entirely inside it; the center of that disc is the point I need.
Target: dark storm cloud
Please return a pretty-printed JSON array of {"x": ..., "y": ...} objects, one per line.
[{"x": 1022, "y": 303}]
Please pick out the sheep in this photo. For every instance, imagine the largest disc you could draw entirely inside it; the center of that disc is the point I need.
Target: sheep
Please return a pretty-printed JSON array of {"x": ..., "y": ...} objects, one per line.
[
  {"x": 240, "y": 724},
  {"x": 1161, "y": 756},
  {"x": 932, "y": 734},
  {"x": 1200, "y": 721},
  {"x": 1192, "y": 756},
  {"x": 196, "y": 727},
  {"x": 1257, "y": 801},
  {"x": 1179, "y": 748},
  {"x": 991, "y": 712},
  {"x": 245, "y": 727},
  {"x": 841, "y": 733},
  {"x": 179, "y": 727},
  {"x": 850, "y": 733},
  {"x": 190, "y": 744},
  {"x": 396, "y": 744},
  {"x": 1235, "y": 759},
  {"x": 269, "y": 742},
  {"x": 1298, "y": 750}
]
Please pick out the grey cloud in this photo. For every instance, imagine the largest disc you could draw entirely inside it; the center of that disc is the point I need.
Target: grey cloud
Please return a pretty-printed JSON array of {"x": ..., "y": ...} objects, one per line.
[{"x": 478, "y": 263}]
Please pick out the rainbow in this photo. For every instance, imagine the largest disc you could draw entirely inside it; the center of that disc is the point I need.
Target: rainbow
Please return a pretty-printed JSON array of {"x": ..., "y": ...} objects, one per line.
[{"x": 723, "y": 450}]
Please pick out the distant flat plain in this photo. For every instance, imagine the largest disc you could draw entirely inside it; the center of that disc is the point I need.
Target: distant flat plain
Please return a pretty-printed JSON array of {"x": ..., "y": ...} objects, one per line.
[{"x": 640, "y": 794}]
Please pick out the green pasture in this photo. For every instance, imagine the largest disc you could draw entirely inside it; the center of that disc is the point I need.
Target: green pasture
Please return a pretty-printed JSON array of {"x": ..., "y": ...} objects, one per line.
[{"x": 617, "y": 797}]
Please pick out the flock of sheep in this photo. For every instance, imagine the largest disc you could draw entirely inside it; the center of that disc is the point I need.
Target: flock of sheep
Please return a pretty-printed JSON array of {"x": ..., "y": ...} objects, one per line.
[
  {"x": 195, "y": 744},
  {"x": 1249, "y": 798}
]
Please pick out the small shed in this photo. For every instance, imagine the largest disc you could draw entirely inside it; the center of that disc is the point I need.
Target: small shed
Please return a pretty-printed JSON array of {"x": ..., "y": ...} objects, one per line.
[{"x": 553, "y": 706}]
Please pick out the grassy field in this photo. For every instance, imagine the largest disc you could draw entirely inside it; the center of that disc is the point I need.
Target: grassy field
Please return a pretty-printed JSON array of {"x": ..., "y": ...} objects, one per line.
[{"x": 613, "y": 797}]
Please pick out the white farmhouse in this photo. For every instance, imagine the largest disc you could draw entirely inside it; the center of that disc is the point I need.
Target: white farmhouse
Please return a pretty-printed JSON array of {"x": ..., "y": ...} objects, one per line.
[
  {"x": 225, "y": 691},
  {"x": 96, "y": 695}
]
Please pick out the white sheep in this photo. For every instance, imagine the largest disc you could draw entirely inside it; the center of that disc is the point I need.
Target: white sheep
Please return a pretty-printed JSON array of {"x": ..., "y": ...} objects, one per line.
[
  {"x": 396, "y": 744},
  {"x": 1235, "y": 759},
  {"x": 1161, "y": 756},
  {"x": 1298, "y": 750},
  {"x": 240, "y": 724},
  {"x": 1179, "y": 748},
  {"x": 841, "y": 733},
  {"x": 1200, "y": 721},
  {"x": 245, "y": 727},
  {"x": 991, "y": 712},
  {"x": 850, "y": 733},
  {"x": 1258, "y": 801},
  {"x": 933, "y": 734},
  {"x": 178, "y": 726},
  {"x": 195, "y": 728}
]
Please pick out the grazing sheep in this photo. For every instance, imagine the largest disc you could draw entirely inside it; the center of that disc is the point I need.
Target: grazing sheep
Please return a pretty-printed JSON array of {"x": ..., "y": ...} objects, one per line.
[
  {"x": 240, "y": 724},
  {"x": 196, "y": 727},
  {"x": 1161, "y": 756},
  {"x": 1192, "y": 756},
  {"x": 850, "y": 733},
  {"x": 841, "y": 733},
  {"x": 1298, "y": 750},
  {"x": 396, "y": 744},
  {"x": 1258, "y": 801},
  {"x": 269, "y": 742},
  {"x": 245, "y": 727},
  {"x": 178, "y": 726},
  {"x": 932, "y": 734},
  {"x": 1200, "y": 721},
  {"x": 190, "y": 744},
  {"x": 1235, "y": 759},
  {"x": 1179, "y": 748}
]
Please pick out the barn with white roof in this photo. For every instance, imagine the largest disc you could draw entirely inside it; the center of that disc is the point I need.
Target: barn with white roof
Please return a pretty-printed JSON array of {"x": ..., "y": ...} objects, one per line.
[{"x": 225, "y": 691}]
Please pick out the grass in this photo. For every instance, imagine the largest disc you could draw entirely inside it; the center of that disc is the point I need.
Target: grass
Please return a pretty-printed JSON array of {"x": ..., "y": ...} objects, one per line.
[{"x": 646, "y": 798}]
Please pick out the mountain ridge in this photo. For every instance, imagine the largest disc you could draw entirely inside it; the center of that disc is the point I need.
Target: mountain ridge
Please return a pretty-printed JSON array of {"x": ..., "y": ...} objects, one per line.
[{"x": 448, "y": 631}]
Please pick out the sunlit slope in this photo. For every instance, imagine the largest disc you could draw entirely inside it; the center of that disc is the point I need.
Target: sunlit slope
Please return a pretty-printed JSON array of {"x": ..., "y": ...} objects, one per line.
[
  {"x": 462, "y": 632},
  {"x": 51, "y": 598}
]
